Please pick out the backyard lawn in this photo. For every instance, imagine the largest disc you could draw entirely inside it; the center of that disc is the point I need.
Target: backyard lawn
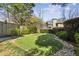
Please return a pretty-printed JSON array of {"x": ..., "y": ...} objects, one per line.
[
  {"x": 43, "y": 42},
  {"x": 34, "y": 44}
]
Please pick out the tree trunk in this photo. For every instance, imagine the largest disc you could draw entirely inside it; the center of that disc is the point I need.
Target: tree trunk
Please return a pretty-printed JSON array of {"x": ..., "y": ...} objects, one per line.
[{"x": 38, "y": 28}]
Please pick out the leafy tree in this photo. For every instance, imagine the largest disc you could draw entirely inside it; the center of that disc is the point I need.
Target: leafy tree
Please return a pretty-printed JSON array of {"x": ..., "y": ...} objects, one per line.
[
  {"x": 20, "y": 12},
  {"x": 35, "y": 22}
]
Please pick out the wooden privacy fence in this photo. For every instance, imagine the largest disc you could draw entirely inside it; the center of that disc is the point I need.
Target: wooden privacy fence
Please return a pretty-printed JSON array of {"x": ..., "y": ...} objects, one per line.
[{"x": 6, "y": 27}]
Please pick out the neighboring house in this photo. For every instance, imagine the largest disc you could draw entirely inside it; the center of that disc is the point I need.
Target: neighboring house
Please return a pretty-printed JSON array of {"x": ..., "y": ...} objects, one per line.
[
  {"x": 55, "y": 23},
  {"x": 60, "y": 23},
  {"x": 49, "y": 24}
]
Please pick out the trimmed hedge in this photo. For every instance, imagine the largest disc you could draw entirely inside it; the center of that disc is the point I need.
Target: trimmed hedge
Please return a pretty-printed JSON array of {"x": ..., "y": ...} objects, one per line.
[
  {"x": 72, "y": 26},
  {"x": 55, "y": 30},
  {"x": 62, "y": 34}
]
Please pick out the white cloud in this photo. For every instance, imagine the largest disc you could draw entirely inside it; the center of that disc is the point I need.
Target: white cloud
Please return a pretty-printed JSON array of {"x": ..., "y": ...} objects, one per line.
[{"x": 49, "y": 12}]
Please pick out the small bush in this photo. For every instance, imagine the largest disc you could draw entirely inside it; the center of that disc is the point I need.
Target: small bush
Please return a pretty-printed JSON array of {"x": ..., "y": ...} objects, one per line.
[
  {"x": 32, "y": 30},
  {"x": 77, "y": 43},
  {"x": 71, "y": 37},
  {"x": 24, "y": 31},
  {"x": 55, "y": 30},
  {"x": 62, "y": 34},
  {"x": 71, "y": 26},
  {"x": 77, "y": 50},
  {"x": 15, "y": 31},
  {"x": 44, "y": 30},
  {"x": 47, "y": 40},
  {"x": 50, "y": 31},
  {"x": 77, "y": 38}
]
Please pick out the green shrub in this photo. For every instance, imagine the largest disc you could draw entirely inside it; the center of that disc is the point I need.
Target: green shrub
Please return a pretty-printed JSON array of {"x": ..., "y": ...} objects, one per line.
[
  {"x": 32, "y": 29},
  {"x": 46, "y": 41},
  {"x": 77, "y": 43},
  {"x": 24, "y": 31},
  {"x": 15, "y": 31},
  {"x": 77, "y": 50},
  {"x": 44, "y": 30},
  {"x": 62, "y": 34},
  {"x": 77, "y": 38},
  {"x": 19, "y": 32},
  {"x": 71, "y": 26},
  {"x": 55, "y": 30}
]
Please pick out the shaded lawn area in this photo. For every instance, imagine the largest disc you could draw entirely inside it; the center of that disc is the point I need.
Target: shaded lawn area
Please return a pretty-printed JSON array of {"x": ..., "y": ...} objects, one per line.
[
  {"x": 39, "y": 44},
  {"x": 9, "y": 49}
]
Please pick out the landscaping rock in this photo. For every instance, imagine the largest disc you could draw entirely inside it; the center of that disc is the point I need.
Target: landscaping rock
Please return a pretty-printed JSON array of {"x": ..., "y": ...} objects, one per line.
[{"x": 68, "y": 49}]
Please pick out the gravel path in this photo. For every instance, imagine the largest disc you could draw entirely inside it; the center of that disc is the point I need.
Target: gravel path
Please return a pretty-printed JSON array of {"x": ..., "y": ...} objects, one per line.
[{"x": 67, "y": 50}]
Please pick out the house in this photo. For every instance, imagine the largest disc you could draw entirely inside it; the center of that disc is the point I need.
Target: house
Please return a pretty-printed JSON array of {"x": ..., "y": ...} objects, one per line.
[
  {"x": 49, "y": 24},
  {"x": 59, "y": 23},
  {"x": 55, "y": 23}
]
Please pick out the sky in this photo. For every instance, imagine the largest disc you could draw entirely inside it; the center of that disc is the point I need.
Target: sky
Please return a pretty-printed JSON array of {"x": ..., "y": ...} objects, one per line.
[
  {"x": 3, "y": 15},
  {"x": 47, "y": 11}
]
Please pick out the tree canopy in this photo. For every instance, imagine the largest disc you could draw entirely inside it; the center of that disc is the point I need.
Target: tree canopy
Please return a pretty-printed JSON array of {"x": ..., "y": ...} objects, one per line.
[{"x": 20, "y": 12}]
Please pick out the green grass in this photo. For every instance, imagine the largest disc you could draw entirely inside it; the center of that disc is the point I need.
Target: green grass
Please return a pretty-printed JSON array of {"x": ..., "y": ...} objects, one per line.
[
  {"x": 43, "y": 42},
  {"x": 28, "y": 41},
  {"x": 40, "y": 44}
]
